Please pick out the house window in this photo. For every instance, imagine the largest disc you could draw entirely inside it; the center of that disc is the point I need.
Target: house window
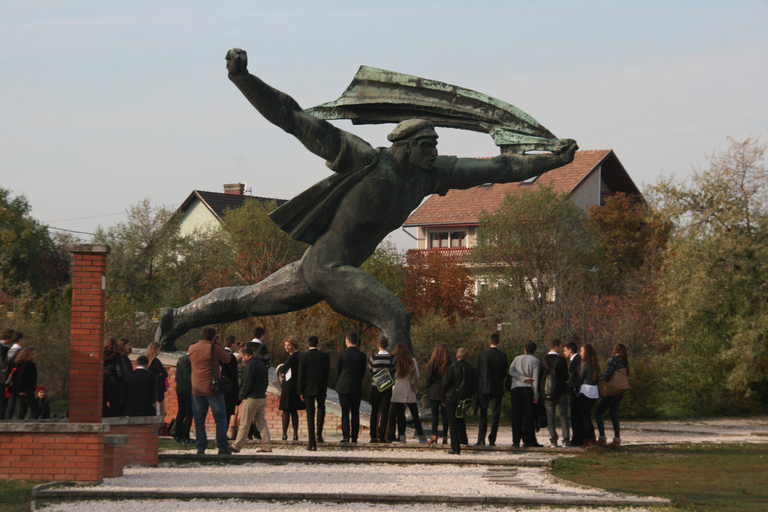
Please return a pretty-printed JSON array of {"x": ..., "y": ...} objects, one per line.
[{"x": 445, "y": 239}]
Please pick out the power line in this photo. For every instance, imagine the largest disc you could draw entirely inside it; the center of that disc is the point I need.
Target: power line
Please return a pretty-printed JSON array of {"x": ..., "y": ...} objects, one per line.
[{"x": 71, "y": 231}]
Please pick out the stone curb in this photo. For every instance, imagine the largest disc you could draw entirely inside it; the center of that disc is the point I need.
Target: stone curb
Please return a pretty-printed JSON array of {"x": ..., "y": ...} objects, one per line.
[
  {"x": 331, "y": 459},
  {"x": 591, "y": 501}
]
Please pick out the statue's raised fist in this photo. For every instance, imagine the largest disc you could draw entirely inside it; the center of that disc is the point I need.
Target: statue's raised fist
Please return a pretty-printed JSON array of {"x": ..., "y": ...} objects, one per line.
[{"x": 237, "y": 61}]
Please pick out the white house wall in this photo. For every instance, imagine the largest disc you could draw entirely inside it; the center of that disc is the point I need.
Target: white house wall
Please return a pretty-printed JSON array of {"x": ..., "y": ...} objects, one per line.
[
  {"x": 588, "y": 191},
  {"x": 197, "y": 218}
]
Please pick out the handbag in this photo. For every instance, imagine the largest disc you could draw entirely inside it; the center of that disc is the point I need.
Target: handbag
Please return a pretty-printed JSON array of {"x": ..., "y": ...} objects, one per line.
[
  {"x": 619, "y": 383},
  {"x": 602, "y": 386},
  {"x": 464, "y": 407},
  {"x": 222, "y": 384},
  {"x": 383, "y": 380}
]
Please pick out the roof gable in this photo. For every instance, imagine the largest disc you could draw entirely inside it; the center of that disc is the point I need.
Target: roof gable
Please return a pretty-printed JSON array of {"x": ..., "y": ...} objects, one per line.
[
  {"x": 217, "y": 202},
  {"x": 465, "y": 206}
]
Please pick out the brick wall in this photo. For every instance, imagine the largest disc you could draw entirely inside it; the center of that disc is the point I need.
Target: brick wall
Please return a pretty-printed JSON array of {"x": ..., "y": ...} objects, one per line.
[
  {"x": 142, "y": 447},
  {"x": 51, "y": 451},
  {"x": 274, "y": 415}
]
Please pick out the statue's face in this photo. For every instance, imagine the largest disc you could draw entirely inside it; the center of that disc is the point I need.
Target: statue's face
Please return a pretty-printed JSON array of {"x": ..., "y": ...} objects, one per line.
[{"x": 423, "y": 153}]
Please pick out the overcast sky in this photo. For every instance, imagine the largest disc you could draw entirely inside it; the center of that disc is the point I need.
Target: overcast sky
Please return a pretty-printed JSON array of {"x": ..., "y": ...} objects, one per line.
[{"x": 103, "y": 104}]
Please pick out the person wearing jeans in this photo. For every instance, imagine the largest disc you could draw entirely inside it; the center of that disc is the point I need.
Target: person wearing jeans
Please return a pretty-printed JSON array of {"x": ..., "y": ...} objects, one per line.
[
  {"x": 206, "y": 357},
  {"x": 617, "y": 361}
]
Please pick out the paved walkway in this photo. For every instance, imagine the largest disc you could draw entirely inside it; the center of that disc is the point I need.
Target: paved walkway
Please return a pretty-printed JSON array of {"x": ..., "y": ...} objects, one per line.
[{"x": 397, "y": 477}]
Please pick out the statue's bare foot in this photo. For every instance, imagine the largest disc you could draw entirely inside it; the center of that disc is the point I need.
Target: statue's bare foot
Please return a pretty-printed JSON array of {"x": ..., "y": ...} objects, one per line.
[{"x": 166, "y": 333}]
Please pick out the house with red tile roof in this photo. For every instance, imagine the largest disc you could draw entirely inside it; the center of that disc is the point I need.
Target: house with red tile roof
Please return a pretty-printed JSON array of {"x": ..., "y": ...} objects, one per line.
[{"x": 449, "y": 223}]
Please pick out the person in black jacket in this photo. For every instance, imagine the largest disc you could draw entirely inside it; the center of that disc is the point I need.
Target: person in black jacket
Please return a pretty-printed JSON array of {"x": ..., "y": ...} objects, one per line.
[
  {"x": 492, "y": 368},
  {"x": 114, "y": 379},
  {"x": 25, "y": 382},
  {"x": 436, "y": 367},
  {"x": 140, "y": 392},
  {"x": 554, "y": 369},
  {"x": 229, "y": 369},
  {"x": 312, "y": 386},
  {"x": 459, "y": 383},
  {"x": 253, "y": 397},
  {"x": 350, "y": 370},
  {"x": 571, "y": 352},
  {"x": 290, "y": 403},
  {"x": 184, "y": 416},
  {"x": 125, "y": 367}
]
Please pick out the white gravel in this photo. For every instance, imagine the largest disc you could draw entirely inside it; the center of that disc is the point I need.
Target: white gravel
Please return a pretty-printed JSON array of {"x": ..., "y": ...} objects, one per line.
[
  {"x": 412, "y": 479},
  {"x": 300, "y": 506}
]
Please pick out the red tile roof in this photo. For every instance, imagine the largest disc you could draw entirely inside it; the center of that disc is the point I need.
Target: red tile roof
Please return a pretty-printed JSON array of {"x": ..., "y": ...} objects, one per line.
[{"x": 464, "y": 206}]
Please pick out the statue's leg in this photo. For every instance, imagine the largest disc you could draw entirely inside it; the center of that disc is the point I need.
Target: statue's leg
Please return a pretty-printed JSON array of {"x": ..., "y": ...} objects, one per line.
[
  {"x": 358, "y": 295},
  {"x": 281, "y": 292}
]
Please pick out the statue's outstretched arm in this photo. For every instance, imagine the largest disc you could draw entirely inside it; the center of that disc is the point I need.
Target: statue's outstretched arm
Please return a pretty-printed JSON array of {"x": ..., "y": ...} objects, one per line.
[
  {"x": 319, "y": 136},
  {"x": 509, "y": 167}
]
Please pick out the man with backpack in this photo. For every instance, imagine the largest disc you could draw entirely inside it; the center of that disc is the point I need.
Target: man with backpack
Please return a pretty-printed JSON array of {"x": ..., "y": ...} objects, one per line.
[{"x": 553, "y": 386}]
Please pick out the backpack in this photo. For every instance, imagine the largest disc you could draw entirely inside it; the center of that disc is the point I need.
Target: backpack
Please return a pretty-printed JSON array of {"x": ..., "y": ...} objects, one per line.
[
  {"x": 6, "y": 369},
  {"x": 549, "y": 380}
]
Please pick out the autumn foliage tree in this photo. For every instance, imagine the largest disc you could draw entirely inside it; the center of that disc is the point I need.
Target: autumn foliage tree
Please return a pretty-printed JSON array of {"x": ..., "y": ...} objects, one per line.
[
  {"x": 437, "y": 283},
  {"x": 714, "y": 286}
]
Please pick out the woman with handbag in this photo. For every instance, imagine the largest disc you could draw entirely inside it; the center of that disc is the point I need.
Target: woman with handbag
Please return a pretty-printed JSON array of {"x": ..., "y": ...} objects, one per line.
[
  {"x": 436, "y": 367},
  {"x": 586, "y": 386},
  {"x": 617, "y": 379}
]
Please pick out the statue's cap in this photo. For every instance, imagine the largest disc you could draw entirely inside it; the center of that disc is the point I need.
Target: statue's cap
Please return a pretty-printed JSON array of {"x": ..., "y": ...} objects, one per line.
[{"x": 412, "y": 129}]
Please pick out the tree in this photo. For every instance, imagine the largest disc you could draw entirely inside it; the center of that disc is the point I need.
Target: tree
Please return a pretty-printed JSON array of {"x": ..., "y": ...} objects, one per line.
[
  {"x": 436, "y": 283},
  {"x": 628, "y": 238},
  {"x": 387, "y": 265},
  {"x": 24, "y": 242},
  {"x": 714, "y": 288},
  {"x": 532, "y": 251}
]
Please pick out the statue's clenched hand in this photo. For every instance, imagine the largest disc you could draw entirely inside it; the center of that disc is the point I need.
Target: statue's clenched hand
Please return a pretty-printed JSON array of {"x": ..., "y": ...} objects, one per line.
[
  {"x": 566, "y": 148},
  {"x": 237, "y": 61}
]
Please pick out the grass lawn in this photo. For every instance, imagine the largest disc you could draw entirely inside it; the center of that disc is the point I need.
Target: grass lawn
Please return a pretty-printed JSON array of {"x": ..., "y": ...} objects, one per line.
[
  {"x": 701, "y": 477},
  {"x": 15, "y": 495}
]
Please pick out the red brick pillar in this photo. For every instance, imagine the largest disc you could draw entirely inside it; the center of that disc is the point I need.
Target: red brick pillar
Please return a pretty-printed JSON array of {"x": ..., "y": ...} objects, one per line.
[{"x": 86, "y": 364}]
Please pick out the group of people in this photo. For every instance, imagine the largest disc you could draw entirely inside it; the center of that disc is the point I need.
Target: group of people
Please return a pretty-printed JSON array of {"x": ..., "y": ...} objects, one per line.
[
  {"x": 20, "y": 394},
  {"x": 232, "y": 381},
  {"x": 558, "y": 382}
]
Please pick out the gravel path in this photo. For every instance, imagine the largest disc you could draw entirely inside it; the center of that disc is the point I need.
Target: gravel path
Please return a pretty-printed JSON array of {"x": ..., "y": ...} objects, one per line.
[{"x": 453, "y": 479}]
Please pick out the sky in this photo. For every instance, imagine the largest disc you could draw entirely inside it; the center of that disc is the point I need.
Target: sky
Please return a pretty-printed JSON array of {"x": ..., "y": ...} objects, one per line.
[{"x": 105, "y": 104}]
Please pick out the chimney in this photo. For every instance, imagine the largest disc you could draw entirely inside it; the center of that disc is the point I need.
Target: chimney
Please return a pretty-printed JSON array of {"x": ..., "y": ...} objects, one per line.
[{"x": 236, "y": 189}]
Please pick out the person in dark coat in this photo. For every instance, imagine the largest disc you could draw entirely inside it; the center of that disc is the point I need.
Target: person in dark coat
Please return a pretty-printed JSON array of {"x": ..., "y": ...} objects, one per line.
[
  {"x": 114, "y": 379},
  {"x": 492, "y": 371},
  {"x": 459, "y": 383},
  {"x": 230, "y": 369},
  {"x": 184, "y": 415},
  {"x": 571, "y": 352},
  {"x": 140, "y": 390},
  {"x": 312, "y": 386},
  {"x": 436, "y": 367},
  {"x": 290, "y": 402},
  {"x": 41, "y": 395},
  {"x": 350, "y": 370},
  {"x": 161, "y": 375},
  {"x": 25, "y": 382},
  {"x": 557, "y": 365},
  {"x": 125, "y": 367}
]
